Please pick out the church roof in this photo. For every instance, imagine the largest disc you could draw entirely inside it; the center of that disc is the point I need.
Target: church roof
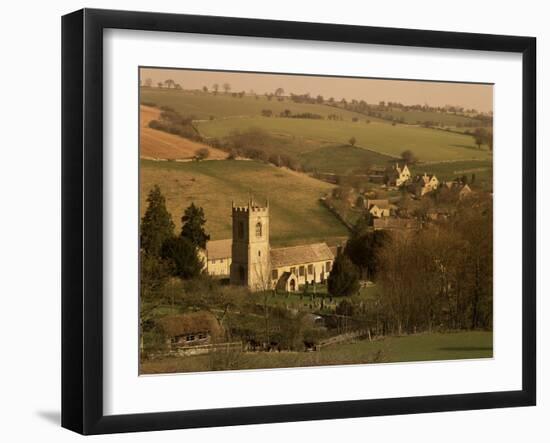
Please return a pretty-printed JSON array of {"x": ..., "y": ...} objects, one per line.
[
  {"x": 217, "y": 249},
  {"x": 299, "y": 255}
]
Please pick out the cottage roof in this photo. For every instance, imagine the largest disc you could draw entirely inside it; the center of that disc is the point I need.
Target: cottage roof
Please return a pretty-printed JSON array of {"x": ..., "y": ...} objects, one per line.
[
  {"x": 298, "y": 255},
  {"x": 190, "y": 323},
  {"x": 381, "y": 203},
  {"x": 217, "y": 249},
  {"x": 396, "y": 223}
]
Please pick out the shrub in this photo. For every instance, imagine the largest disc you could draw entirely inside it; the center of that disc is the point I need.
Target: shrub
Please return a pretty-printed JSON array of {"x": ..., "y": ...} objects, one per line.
[{"x": 202, "y": 154}]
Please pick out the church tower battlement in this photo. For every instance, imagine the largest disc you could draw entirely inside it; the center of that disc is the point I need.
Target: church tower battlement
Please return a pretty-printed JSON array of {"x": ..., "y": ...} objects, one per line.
[{"x": 250, "y": 262}]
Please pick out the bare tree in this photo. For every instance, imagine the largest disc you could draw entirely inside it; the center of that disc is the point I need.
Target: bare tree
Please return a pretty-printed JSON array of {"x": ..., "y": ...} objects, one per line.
[{"x": 226, "y": 87}]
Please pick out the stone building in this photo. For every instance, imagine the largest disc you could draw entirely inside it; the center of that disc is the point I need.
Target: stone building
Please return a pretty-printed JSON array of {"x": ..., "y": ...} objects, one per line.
[{"x": 250, "y": 261}]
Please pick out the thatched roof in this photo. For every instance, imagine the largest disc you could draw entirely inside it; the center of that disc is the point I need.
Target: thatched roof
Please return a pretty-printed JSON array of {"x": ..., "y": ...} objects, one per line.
[
  {"x": 299, "y": 255},
  {"x": 191, "y": 323},
  {"x": 217, "y": 249}
]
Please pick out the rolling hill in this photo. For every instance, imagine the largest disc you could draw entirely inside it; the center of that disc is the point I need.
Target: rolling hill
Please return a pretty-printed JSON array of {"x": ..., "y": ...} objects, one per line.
[
  {"x": 205, "y": 105},
  {"x": 155, "y": 144},
  {"x": 297, "y": 216}
]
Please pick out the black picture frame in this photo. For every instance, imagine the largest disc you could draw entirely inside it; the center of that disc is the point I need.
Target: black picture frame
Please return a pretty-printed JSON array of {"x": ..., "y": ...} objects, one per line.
[{"x": 82, "y": 220}]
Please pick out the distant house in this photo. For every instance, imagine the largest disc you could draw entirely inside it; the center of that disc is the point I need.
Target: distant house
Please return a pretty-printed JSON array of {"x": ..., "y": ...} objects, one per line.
[
  {"x": 430, "y": 183},
  {"x": 461, "y": 189},
  {"x": 396, "y": 224},
  {"x": 464, "y": 192},
  {"x": 217, "y": 257},
  {"x": 400, "y": 176},
  {"x": 380, "y": 208},
  {"x": 191, "y": 329},
  {"x": 424, "y": 184}
]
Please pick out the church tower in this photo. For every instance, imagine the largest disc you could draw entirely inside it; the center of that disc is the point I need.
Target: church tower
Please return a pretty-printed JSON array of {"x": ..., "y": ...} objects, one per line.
[{"x": 250, "y": 261}]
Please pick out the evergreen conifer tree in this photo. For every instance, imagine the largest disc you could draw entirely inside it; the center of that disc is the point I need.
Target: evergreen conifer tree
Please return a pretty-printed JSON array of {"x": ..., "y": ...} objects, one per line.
[{"x": 156, "y": 225}]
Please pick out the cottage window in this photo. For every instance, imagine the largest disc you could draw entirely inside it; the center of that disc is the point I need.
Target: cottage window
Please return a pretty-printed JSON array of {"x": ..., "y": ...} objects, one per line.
[
  {"x": 274, "y": 274},
  {"x": 258, "y": 229},
  {"x": 310, "y": 269},
  {"x": 302, "y": 270},
  {"x": 202, "y": 336},
  {"x": 328, "y": 266},
  {"x": 190, "y": 337},
  {"x": 259, "y": 253}
]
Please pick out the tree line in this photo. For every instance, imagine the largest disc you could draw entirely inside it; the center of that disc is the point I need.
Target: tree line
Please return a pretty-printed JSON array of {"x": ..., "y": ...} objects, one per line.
[{"x": 437, "y": 278}]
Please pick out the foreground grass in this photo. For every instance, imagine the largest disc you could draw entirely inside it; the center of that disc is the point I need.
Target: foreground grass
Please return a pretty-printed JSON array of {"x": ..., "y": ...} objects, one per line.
[
  {"x": 297, "y": 216},
  {"x": 420, "y": 347}
]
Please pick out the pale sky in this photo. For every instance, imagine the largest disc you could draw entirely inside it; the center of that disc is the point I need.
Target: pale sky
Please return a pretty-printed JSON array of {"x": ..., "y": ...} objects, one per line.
[{"x": 477, "y": 96}]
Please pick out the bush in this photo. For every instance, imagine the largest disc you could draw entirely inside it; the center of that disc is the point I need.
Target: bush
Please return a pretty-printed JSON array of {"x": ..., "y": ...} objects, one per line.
[{"x": 202, "y": 154}]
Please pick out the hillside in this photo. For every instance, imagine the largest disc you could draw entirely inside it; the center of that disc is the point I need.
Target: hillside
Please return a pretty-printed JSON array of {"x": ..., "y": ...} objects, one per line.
[
  {"x": 343, "y": 159},
  {"x": 155, "y": 144},
  {"x": 296, "y": 213},
  {"x": 427, "y": 144},
  {"x": 204, "y": 105}
]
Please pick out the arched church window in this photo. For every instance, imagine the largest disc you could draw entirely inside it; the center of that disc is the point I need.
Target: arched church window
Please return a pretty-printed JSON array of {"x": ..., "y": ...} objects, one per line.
[{"x": 258, "y": 229}]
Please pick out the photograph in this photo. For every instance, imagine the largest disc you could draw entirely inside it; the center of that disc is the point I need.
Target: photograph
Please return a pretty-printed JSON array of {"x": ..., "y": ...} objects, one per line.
[{"x": 291, "y": 220}]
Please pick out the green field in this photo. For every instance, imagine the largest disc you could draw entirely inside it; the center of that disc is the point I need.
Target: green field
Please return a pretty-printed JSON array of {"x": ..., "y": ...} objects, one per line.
[
  {"x": 312, "y": 140},
  {"x": 421, "y": 347},
  {"x": 296, "y": 213},
  {"x": 203, "y": 106},
  {"x": 427, "y": 144},
  {"x": 342, "y": 159},
  {"x": 483, "y": 170},
  {"x": 414, "y": 116}
]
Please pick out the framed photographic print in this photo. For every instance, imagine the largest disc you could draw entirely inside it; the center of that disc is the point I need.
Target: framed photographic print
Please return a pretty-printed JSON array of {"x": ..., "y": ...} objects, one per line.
[{"x": 271, "y": 221}]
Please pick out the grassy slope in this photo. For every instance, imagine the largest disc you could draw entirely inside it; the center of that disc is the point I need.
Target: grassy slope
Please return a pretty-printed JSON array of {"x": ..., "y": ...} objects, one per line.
[
  {"x": 296, "y": 214},
  {"x": 202, "y": 105},
  {"x": 420, "y": 116},
  {"x": 422, "y": 347},
  {"x": 342, "y": 159},
  {"x": 158, "y": 144},
  {"x": 427, "y": 144},
  {"x": 447, "y": 171}
]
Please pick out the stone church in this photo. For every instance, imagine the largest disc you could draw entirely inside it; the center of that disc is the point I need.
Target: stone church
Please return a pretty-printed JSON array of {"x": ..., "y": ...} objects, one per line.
[{"x": 250, "y": 261}]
